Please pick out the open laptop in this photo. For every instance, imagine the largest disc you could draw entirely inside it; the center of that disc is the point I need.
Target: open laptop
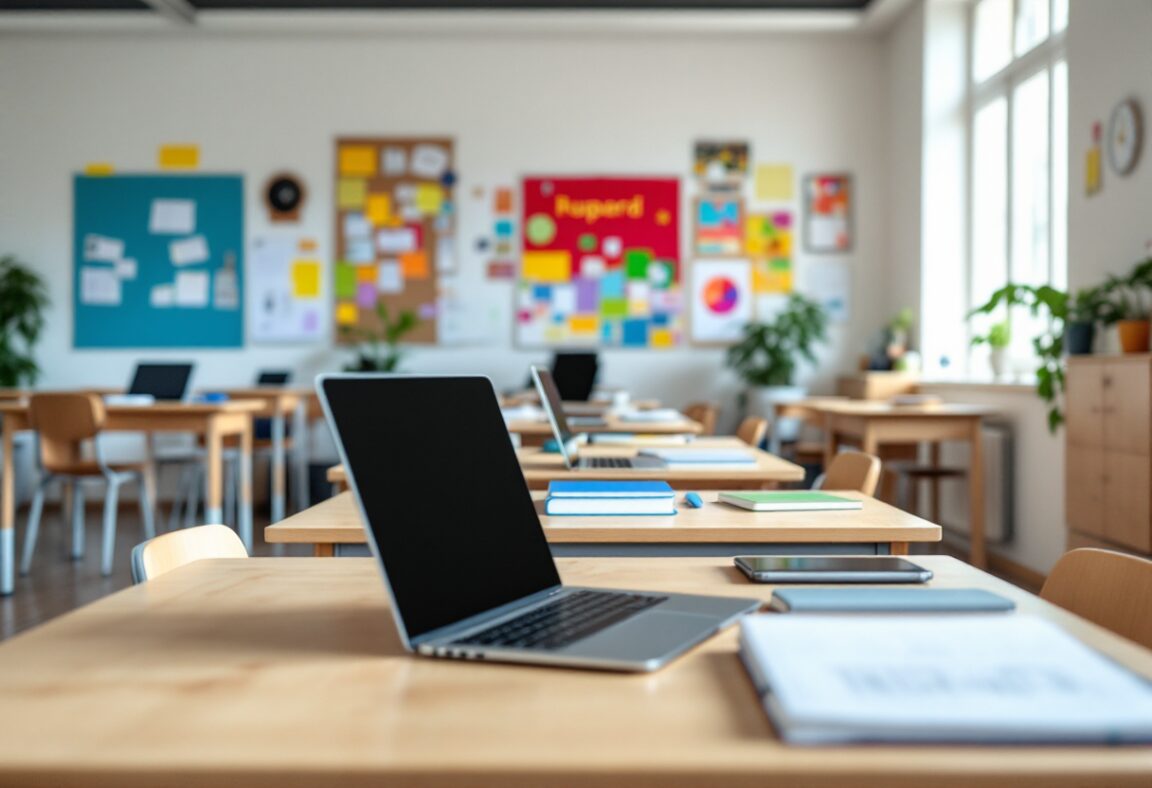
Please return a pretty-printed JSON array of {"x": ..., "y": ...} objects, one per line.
[
  {"x": 273, "y": 377},
  {"x": 575, "y": 375},
  {"x": 460, "y": 545},
  {"x": 161, "y": 381},
  {"x": 561, "y": 429}
]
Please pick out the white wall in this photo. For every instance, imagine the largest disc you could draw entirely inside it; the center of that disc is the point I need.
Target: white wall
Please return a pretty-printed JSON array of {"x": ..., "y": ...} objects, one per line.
[{"x": 516, "y": 105}]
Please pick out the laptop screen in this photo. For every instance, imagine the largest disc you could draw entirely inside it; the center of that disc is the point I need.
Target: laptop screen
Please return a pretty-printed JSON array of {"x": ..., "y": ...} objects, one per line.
[
  {"x": 273, "y": 378},
  {"x": 554, "y": 408},
  {"x": 442, "y": 489},
  {"x": 162, "y": 381},
  {"x": 575, "y": 375}
]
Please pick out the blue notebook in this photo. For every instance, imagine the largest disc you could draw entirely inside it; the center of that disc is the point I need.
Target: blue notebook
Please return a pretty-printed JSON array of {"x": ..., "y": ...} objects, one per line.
[
  {"x": 610, "y": 490},
  {"x": 888, "y": 600},
  {"x": 610, "y": 498}
]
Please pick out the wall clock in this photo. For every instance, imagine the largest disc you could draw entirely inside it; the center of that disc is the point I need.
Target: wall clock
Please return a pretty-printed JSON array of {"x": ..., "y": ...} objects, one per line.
[
  {"x": 284, "y": 196},
  {"x": 1125, "y": 136}
]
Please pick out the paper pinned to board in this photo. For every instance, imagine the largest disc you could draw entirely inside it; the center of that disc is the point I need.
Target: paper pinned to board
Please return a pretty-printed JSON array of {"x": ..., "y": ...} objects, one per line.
[
  {"x": 126, "y": 268},
  {"x": 774, "y": 182},
  {"x": 429, "y": 161},
  {"x": 390, "y": 277},
  {"x": 172, "y": 217},
  {"x": 192, "y": 289},
  {"x": 162, "y": 296},
  {"x": 397, "y": 241},
  {"x": 99, "y": 286},
  {"x": 189, "y": 251},
  {"x": 100, "y": 248},
  {"x": 393, "y": 160}
]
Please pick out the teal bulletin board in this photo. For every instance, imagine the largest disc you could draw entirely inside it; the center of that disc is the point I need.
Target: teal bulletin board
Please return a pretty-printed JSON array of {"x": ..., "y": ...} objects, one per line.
[{"x": 158, "y": 261}]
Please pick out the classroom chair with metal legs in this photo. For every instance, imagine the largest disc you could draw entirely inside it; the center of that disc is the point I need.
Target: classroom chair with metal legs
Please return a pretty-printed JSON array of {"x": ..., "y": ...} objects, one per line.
[{"x": 65, "y": 422}]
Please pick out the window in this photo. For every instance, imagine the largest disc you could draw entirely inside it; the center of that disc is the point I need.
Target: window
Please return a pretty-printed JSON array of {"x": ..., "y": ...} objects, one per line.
[{"x": 1015, "y": 222}]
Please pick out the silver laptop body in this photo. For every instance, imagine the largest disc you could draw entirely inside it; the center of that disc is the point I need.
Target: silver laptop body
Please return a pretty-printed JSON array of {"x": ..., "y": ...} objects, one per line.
[{"x": 459, "y": 564}]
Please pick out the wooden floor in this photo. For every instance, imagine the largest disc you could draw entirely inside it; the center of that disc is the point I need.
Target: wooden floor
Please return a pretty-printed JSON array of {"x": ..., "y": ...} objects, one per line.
[{"x": 57, "y": 584}]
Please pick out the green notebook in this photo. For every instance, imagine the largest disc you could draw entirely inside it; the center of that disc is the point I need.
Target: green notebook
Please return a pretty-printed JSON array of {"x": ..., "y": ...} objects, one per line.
[{"x": 787, "y": 501}]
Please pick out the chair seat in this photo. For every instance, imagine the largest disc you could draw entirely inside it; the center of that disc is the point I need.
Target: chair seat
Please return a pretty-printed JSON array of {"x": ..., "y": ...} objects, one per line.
[{"x": 92, "y": 468}]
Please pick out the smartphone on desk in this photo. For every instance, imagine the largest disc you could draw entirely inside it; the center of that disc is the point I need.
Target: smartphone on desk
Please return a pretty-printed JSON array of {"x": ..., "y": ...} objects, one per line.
[{"x": 831, "y": 569}]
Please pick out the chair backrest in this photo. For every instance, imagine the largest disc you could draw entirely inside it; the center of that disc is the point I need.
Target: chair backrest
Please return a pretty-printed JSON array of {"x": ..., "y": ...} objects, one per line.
[
  {"x": 853, "y": 470},
  {"x": 173, "y": 550},
  {"x": 1113, "y": 590},
  {"x": 753, "y": 430},
  {"x": 705, "y": 413},
  {"x": 64, "y": 420}
]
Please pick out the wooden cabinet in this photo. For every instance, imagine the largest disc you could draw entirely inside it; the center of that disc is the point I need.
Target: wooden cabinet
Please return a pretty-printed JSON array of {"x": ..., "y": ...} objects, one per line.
[{"x": 1108, "y": 464}]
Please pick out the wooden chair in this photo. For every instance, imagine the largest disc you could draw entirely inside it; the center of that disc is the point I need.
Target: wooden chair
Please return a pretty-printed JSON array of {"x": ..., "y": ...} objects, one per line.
[
  {"x": 852, "y": 470},
  {"x": 173, "y": 550},
  {"x": 1113, "y": 590},
  {"x": 753, "y": 430},
  {"x": 65, "y": 422},
  {"x": 705, "y": 413}
]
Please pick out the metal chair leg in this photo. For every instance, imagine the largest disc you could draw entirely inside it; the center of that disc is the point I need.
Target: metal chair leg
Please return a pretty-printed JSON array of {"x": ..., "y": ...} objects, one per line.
[
  {"x": 32, "y": 533},
  {"x": 79, "y": 524},
  {"x": 192, "y": 504},
  {"x": 111, "y": 499},
  {"x": 147, "y": 513},
  {"x": 231, "y": 510}
]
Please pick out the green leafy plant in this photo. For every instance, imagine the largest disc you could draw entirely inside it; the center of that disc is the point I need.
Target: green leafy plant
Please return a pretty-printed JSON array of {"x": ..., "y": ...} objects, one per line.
[
  {"x": 769, "y": 353},
  {"x": 1129, "y": 297},
  {"x": 379, "y": 349},
  {"x": 902, "y": 320},
  {"x": 999, "y": 336},
  {"x": 23, "y": 299},
  {"x": 1048, "y": 345},
  {"x": 1091, "y": 305}
]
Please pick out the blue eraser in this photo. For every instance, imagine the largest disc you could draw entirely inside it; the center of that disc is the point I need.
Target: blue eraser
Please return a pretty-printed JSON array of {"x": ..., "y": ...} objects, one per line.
[
  {"x": 213, "y": 397},
  {"x": 551, "y": 446},
  {"x": 694, "y": 500}
]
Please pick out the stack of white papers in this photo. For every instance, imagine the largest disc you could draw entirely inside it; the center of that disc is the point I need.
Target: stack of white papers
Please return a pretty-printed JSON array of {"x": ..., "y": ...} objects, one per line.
[
  {"x": 693, "y": 458},
  {"x": 1010, "y": 679}
]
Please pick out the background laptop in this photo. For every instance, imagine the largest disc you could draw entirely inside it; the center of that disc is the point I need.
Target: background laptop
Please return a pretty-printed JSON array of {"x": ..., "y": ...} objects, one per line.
[
  {"x": 273, "y": 377},
  {"x": 575, "y": 375},
  {"x": 460, "y": 544},
  {"x": 161, "y": 381},
  {"x": 550, "y": 400}
]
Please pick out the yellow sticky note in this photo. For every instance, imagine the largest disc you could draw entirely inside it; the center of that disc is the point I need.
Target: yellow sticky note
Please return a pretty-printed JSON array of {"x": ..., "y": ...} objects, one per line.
[
  {"x": 306, "y": 279},
  {"x": 414, "y": 265},
  {"x": 755, "y": 243},
  {"x": 365, "y": 273},
  {"x": 583, "y": 324},
  {"x": 774, "y": 182},
  {"x": 1092, "y": 171},
  {"x": 347, "y": 314},
  {"x": 351, "y": 193},
  {"x": 429, "y": 198},
  {"x": 760, "y": 281},
  {"x": 660, "y": 337},
  {"x": 98, "y": 168},
  {"x": 179, "y": 157},
  {"x": 378, "y": 209},
  {"x": 357, "y": 160},
  {"x": 555, "y": 266}
]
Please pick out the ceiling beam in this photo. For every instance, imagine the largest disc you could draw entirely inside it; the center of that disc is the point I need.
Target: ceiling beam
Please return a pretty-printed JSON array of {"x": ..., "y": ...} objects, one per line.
[{"x": 179, "y": 11}]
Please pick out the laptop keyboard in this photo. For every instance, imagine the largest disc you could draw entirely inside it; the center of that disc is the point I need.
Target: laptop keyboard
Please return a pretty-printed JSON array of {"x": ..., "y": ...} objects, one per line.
[
  {"x": 606, "y": 462},
  {"x": 564, "y": 621}
]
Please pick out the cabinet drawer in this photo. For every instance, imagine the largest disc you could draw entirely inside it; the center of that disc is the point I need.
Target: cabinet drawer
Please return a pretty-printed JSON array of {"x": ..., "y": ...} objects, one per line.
[
  {"x": 1085, "y": 404},
  {"x": 1127, "y": 415},
  {"x": 1084, "y": 489},
  {"x": 1127, "y": 500}
]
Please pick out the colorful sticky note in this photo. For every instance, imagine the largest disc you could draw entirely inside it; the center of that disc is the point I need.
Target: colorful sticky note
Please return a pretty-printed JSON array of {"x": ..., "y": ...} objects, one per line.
[
  {"x": 99, "y": 168},
  {"x": 378, "y": 209},
  {"x": 351, "y": 193},
  {"x": 347, "y": 314},
  {"x": 504, "y": 229},
  {"x": 429, "y": 198},
  {"x": 503, "y": 200},
  {"x": 306, "y": 279},
  {"x": 179, "y": 157},
  {"x": 501, "y": 269},
  {"x": 613, "y": 307},
  {"x": 636, "y": 263},
  {"x": 365, "y": 273},
  {"x": 345, "y": 281},
  {"x": 414, "y": 265},
  {"x": 366, "y": 294},
  {"x": 307, "y": 245},
  {"x": 1092, "y": 171},
  {"x": 774, "y": 182},
  {"x": 660, "y": 337},
  {"x": 635, "y": 333},
  {"x": 583, "y": 324},
  {"x": 357, "y": 160},
  {"x": 551, "y": 266}
]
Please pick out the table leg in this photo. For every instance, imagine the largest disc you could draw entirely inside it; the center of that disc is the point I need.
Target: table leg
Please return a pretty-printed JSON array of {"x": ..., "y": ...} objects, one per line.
[
  {"x": 8, "y": 515},
  {"x": 323, "y": 550},
  {"x": 829, "y": 443},
  {"x": 246, "y": 485},
  {"x": 977, "y": 555},
  {"x": 213, "y": 473},
  {"x": 934, "y": 461},
  {"x": 278, "y": 465},
  {"x": 898, "y": 548},
  {"x": 301, "y": 442}
]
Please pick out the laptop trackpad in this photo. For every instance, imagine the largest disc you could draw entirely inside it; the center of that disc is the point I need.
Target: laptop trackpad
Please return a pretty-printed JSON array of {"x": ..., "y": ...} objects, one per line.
[{"x": 648, "y": 635}]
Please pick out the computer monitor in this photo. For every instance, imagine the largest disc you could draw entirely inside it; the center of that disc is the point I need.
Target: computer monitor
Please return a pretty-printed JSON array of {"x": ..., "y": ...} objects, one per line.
[
  {"x": 273, "y": 377},
  {"x": 575, "y": 375},
  {"x": 167, "y": 381}
]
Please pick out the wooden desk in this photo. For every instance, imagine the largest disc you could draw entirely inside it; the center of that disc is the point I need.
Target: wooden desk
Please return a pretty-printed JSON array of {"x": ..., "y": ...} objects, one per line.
[
  {"x": 534, "y": 432},
  {"x": 335, "y": 527},
  {"x": 279, "y": 405},
  {"x": 541, "y": 468},
  {"x": 213, "y": 421},
  {"x": 871, "y": 425},
  {"x": 286, "y": 672}
]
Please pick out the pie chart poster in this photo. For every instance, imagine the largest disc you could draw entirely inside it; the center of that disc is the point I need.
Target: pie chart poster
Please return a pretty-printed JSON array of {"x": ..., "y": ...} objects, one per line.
[{"x": 721, "y": 300}]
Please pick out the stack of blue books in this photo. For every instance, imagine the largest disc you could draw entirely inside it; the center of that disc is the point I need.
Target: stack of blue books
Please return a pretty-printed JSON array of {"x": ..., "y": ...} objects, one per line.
[{"x": 610, "y": 498}]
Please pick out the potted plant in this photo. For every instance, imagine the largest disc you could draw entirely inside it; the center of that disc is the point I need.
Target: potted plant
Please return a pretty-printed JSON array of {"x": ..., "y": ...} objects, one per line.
[
  {"x": 1085, "y": 309},
  {"x": 768, "y": 354},
  {"x": 998, "y": 338},
  {"x": 1128, "y": 297},
  {"x": 1048, "y": 346},
  {"x": 23, "y": 299},
  {"x": 379, "y": 348},
  {"x": 898, "y": 335}
]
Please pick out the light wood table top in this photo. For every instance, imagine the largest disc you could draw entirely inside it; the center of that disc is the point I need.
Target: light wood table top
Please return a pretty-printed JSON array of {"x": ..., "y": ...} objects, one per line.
[
  {"x": 541, "y": 428},
  {"x": 288, "y": 672},
  {"x": 338, "y": 521}
]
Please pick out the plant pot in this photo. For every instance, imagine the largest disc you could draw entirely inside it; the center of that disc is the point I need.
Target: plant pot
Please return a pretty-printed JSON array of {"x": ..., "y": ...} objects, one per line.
[
  {"x": 1079, "y": 338},
  {"x": 762, "y": 401},
  {"x": 998, "y": 360},
  {"x": 1133, "y": 335}
]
